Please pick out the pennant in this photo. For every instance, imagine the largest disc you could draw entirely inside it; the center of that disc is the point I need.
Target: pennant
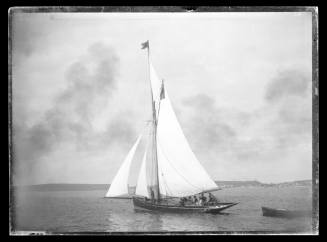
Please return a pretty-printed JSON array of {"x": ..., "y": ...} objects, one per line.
[{"x": 145, "y": 45}]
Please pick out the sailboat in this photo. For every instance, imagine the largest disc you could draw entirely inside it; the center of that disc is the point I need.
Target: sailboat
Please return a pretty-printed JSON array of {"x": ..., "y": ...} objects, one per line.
[{"x": 169, "y": 171}]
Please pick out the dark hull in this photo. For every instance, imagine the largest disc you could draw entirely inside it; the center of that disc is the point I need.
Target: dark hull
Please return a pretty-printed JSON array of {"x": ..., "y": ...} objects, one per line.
[
  {"x": 271, "y": 212},
  {"x": 141, "y": 204},
  {"x": 118, "y": 197}
]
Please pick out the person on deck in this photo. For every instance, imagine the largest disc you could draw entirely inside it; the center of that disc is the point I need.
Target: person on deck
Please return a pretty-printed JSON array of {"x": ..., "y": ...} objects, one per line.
[
  {"x": 195, "y": 200},
  {"x": 200, "y": 203},
  {"x": 203, "y": 199},
  {"x": 212, "y": 199},
  {"x": 182, "y": 201}
]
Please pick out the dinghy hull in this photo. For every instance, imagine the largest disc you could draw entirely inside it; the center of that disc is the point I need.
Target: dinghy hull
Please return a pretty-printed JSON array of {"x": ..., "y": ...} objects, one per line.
[
  {"x": 141, "y": 204},
  {"x": 283, "y": 213}
]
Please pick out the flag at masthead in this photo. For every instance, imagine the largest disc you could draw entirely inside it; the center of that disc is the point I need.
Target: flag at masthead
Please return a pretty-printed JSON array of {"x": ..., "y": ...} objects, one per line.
[{"x": 145, "y": 45}]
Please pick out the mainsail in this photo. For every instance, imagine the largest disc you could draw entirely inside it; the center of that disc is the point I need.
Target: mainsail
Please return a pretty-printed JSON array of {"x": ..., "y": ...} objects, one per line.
[
  {"x": 119, "y": 185},
  {"x": 180, "y": 173}
]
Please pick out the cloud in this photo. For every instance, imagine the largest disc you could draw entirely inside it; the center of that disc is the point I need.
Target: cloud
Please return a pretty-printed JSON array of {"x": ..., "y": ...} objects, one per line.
[
  {"x": 206, "y": 123},
  {"x": 200, "y": 101},
  {"x": 287, "y": 83},
  {"x": 119, "y": 130},
  {"x": 284, "y": 122},
  {"x": 292, "y": 123},
  {"x": 26, "y": 37},
  {"x": 279, "y": 126},
  {"x": 28, "y": 145},
  {"x": 91, "y": 82}
]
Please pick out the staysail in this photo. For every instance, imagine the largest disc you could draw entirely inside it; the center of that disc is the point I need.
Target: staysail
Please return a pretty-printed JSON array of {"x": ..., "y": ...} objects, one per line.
[
  {"x": 180, "y": 173},
  {"x": 142, "y": 186},
  {"x": 119, "y": 185}
]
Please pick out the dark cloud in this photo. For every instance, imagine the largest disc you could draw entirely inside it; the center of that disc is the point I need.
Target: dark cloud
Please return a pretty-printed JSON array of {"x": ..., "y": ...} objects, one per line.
[
  {"x": 30, "y": 33},
  {"x": 288, "y": 83},
  {"x": 282, "y": 123},
  {"x": 28, "y": 145},
  {"x": 91, "y": 80},
  {"x": 290, "y": 93},
  {"x": 119, "y": 130},
  {"x": 207, "y": 125}
]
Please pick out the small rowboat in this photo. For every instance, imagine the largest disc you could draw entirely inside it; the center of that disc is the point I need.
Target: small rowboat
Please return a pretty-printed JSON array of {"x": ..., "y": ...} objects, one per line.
[{"x": 271, "y": 212}]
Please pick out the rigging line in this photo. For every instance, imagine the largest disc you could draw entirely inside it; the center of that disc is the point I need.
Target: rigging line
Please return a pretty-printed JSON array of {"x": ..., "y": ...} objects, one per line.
[
  {"x": 154, "y": 156},
  {"x": 166, "y": 186},
  {"x": 175, "y": 168},
  {"x": 151, "y": 168},
  {"x": 144, "y": 128},
  {"x": 148, "y": 157},
  {"x": 150, "y": 152},
  {"x": 153, "y": 160}
]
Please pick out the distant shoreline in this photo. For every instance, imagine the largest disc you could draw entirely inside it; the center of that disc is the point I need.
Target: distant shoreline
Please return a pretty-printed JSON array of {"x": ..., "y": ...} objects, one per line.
[{"x": 92, "y": 187}]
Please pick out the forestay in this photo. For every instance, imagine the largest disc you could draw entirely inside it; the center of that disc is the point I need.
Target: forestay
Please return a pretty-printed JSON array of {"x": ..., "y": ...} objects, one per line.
[
  {"x": 180, "y": 173},
  {"x": 119, "y": 185}
]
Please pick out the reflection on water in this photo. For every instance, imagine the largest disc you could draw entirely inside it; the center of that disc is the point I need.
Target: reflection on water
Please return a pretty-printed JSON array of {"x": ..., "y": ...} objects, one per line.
[
  {"x": 89, "y": 211},
  {"x": 126, "y": 219}
]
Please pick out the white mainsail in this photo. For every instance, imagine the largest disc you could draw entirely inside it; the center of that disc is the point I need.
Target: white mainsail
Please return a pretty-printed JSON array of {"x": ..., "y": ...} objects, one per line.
[
  {"x": 119, "y": 185},
  {"x": 180, "y": 173},
  {"x": 141, "y": 186}
]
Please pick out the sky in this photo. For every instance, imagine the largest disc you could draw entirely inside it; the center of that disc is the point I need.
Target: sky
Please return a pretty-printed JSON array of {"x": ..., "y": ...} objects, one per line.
[{"x": 240, "y": 85}]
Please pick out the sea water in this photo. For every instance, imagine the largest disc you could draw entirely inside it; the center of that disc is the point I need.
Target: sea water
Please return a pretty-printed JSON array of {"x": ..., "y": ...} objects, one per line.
[{"x": 80, "y": 211}]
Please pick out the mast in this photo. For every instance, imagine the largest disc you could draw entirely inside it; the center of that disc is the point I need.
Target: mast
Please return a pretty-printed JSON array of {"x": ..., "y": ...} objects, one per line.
[{"x": 154, "y": 133}]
